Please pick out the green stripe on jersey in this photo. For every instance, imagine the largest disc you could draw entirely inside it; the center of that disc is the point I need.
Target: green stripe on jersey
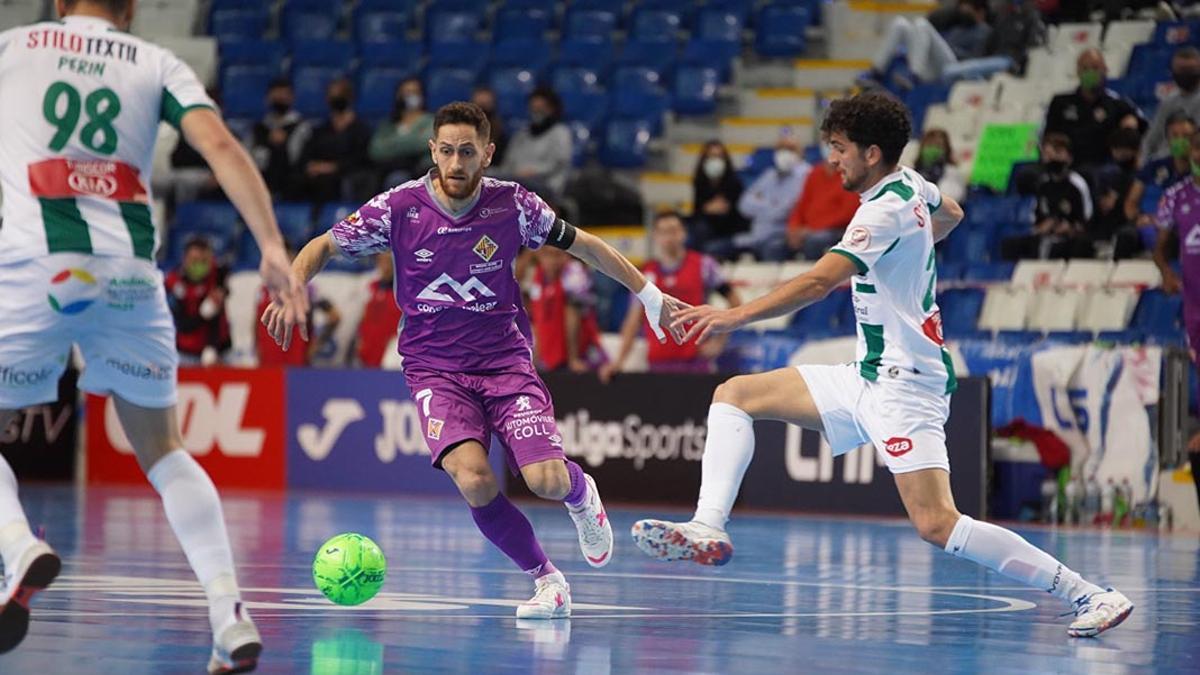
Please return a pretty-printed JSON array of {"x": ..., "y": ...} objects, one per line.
[
  {"x": 66, "y": 230},
  {"x": 864, "y": 288},
  {"x": 890, "y": 248},
  {"x": 951, "y": 378},
  {"x": 928, "y": 301},
  {"x": 172, "y": 111},
  {"x": 873, "y": 334},
  {"x": 897, "y": 186},
  {"x": 141, "y": 229},
  {"x": 858, "y": 263},
  {"x": 934, "y": 207}
]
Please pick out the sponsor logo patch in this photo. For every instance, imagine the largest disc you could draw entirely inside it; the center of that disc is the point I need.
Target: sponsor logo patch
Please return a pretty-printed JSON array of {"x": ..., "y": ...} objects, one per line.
[
  {"x": 487, "y": 267},
  {"x": 424, "y": 255},
  {"x": 486, "y": 248},
  {"x": 897, "y": 447},
  {"x": 434, "y": 428},
  {"x": 858, "y": 238}
]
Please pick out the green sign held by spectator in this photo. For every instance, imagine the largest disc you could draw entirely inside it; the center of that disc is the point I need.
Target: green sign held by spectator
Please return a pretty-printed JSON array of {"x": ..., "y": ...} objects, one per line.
[{"x": 1001, "y": 146}]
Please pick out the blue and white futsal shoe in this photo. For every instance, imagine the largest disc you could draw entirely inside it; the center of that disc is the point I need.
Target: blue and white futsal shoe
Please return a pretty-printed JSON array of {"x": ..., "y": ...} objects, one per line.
[{"x": 1098, "y": 612}]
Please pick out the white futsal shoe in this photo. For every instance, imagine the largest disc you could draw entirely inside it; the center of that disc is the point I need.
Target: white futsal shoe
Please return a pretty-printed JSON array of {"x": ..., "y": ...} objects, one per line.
[
  {"x": 551, "y": 600},
  {"x": 693, "y": 541},
  {"x": 28, "y": 575},
  {"x": 595, "y": 532},
  {"x": 1098, "y": 612},
  {"x": 236, "y": 645}
]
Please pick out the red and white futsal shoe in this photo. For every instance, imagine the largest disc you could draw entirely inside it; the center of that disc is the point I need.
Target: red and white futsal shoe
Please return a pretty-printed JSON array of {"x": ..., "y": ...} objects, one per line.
[{"x": 693, "y": 541}]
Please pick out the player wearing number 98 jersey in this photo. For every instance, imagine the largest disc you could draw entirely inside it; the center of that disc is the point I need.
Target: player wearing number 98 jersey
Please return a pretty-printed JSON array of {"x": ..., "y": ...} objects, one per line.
[{"x": 81, "y": 105}]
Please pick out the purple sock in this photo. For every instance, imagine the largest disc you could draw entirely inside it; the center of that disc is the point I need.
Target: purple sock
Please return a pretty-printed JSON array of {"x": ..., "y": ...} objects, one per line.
[
  {"x": 579, "y": 487},
  {"x": 510, "y": 531}
]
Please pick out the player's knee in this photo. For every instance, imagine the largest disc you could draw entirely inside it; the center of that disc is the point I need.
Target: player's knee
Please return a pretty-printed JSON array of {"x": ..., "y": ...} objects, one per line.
[
  {"x": 478, "y": 487},
  {"x": 551, "y": 482},
  {"x": 935, "y": 525},
  {"x": 734, "y": 391}
]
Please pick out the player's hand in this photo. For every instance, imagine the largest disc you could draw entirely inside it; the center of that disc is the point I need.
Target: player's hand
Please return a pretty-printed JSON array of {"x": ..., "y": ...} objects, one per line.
[
  {"x": 607, "y": 372},
  {"x": 1170, "y": 282},
  {"x": 577, "y": 365},
  {"x": 288, "y": 293},
  {"x": 672, "y": 306},
  {"x": 707, "y": 321}
]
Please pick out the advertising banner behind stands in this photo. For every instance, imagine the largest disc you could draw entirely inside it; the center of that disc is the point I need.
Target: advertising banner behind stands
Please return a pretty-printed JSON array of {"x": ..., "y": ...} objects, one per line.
[
  {"x": 232, "y": 421},
  {"x": 642, "y": 438},
  {"x": 358, "y": 430},
  {"x": 40, "y": 443}
]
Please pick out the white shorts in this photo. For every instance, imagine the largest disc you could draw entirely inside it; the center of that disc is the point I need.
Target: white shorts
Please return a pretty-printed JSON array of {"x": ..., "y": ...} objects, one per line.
[
  {"x": 113, "y": 308},
  {"x": 904, "y": 422}
]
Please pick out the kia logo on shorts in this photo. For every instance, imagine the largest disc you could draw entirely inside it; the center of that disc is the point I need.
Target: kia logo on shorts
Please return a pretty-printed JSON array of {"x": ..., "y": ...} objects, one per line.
[{"x": 897, "y": 447}]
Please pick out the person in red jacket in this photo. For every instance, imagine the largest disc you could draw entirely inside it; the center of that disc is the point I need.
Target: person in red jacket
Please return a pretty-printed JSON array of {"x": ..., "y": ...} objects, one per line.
[
  {"x": 381, "y": 317},
  {"x": 822, "y": 212},
  {"x": 196, "y": 294},
  {"x": 562, "y": 312},
  {"x": 691, "y": 276}
]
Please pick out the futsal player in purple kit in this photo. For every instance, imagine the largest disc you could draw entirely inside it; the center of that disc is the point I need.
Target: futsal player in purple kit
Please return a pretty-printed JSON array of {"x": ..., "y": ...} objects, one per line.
[
  {"x": 465, "y": 337},
  {"x": 1179, "y": 215}
]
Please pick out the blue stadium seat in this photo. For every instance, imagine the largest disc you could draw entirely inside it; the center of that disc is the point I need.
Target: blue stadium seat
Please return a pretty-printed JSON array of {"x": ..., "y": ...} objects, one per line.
[
  {"x": 623, "y": 144},
  {"x": 547, "y": 5},
  {"x": 402, "y": 55},
  {"x": 742, "y": 9},
  {"x": 649, "y": 105},
  {"x": 974, "y": 242},
  {"x": 310, "y": 83},
  {"x": 658, "y": 56},
  {"x": 581, "y": 137},
  {"x": 1018, "y": 337},
  {"x": 720, "y": 24},
  {"x": 248, "y": 256},
  {"x": 209, "y": 216},
  {"x": 757, "y": 162},
  {"x": 694, "y": 90},
  {"x": 512, "y": 86},
  {"x": 1128, "y": 336},
  {"x": 960, "y": 309},
  {"x": 1070, "y": 337},
  {"x": 1159, "y": 316},
  {"x": 780, "y": 31},
  {"x": 713, "y": 54},
  {"x": 377, "y": 90},
  {"x": 651, "y": 24},
  {"x": 451, "y": 24},
  {"x": 269, "y": 53},
  {"x": 920, "y": 98},
  {"x": 462, "y": 55},
  {"x": 333, "y": 53},
  {"x": 374, "y": 26},
  {"x": 245, "y": 89},
  {"x": 522, "y": 23},
  {"x": 1149, "y": 58},
  {"x": 229, "y": 25},
  {"x": 308, "y": 23},
  {"x": 983, "y": 272},
  {"x": 571, "y": 79},
  {"x": 824, "y": 319},
  {"x": 583, "y": 23},
  {"x": 445, "y": 85},
  {"x": 331, "y": 213},
  {"x": 596, "y": 53},
  {"x": 523, "y": 53},
  {"x": 637, "y": 79},
  {"x": 1176, "y": 34},
  {"x": 586, "y": 107},
  {"x": 409, "y": 6},
  {"x": 295, "y": 222},
  {"x": 951, "y": 270}
]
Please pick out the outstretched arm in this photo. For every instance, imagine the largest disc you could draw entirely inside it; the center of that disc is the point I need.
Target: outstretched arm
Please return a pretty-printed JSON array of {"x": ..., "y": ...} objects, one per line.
[
  {"x": 946, "y": 218},
  {"x": 311, "y": 260}
]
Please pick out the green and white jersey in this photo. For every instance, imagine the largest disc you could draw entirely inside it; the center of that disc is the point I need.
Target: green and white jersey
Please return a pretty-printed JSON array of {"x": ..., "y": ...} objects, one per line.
[
  {"x": 80, "y": 104},
  {"x": 890, "y": 241}
]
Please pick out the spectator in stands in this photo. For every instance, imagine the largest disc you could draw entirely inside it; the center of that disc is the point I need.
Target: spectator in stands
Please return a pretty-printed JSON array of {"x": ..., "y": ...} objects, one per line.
[
  {"x": 1064, "y": 206},
  {"x": 951, "y": 42},
  {"x": 935, "y": 162},
  {"x": 716, "y": 190},
  {"x": 381, "y": 316},
  {"x": 769, "y": 200},
  {"x": 1164, "y": 172},
  {"x": 822, "y": 212},
  {"x": 190, "y": 177},
  {"x": 1090, "y": 114},
  {"x": 279, "y": 137},
  {"x": 400, "y": 146},
  {"x": 1016, "y": 27},
  {"x": 323, "y": 320},
  {"x": 333, "y": 164},
  {"x": 1112, "y": 225},
  {"x": 485, "y": 98},
  {"x": 685, "y": 274},
  {"x": 196, "y": 293},
  {"x": 1185, "y": 70},
  {"x": 562, "y": 311},
  {"x": 539, "y": 155}
]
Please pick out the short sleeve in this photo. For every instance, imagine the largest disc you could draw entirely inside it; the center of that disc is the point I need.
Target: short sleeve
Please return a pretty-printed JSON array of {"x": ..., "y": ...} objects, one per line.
[
  {"x": 871, "y": 234},
  {"x": 710, "y": 271},
  {"x": 1165, "y": 218},
  {"x": 367, "y": 231},
  {"x": 534, "y": 216},
  {"x": 930, "y": 193},
  {"x": 182, "y": 91}
]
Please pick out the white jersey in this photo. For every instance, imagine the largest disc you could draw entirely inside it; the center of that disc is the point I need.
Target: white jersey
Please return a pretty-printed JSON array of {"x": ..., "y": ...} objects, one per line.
[
  {"x": 890, "y": 241},
  {"x": 80, "y": 104}
]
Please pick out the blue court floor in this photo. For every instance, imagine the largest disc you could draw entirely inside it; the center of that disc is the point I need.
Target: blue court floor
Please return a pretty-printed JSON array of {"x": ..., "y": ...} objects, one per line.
[{"x": 802, "y": 595}]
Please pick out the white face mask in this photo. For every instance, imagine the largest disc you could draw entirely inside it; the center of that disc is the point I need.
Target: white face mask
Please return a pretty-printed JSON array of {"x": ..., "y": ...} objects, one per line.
[
  {"x": 786, "y": 160},
  {"x": 714, "y": 167}
]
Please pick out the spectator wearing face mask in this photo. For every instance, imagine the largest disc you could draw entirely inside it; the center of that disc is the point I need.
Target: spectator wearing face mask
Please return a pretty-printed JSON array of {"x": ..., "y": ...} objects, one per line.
[
  {"x": 336, "y": 150},
  {"x": 935, "y": 162},
  {"x": 716, "y": 191},
  {"x": 485, "y": 98},
  {"x": 1185, "y": 70},
  {"x": 769, "y": 200},
  {"x": 1090, "y": 114},
  {"x": 400, "y": 146},
  {"x": 539, "y": 155},
  {"x": 1164, "y": 172},
  {"x": 196, "y": 294},
  {"x": 1062, "y": 210},
  {"x": 1112, "y": 225},
  {"x": 279, "y": 137}
]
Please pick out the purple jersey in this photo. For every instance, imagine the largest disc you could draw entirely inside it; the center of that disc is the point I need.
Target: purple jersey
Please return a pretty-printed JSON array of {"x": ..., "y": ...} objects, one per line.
[
  {"x": 455, "y": 281},
  {"x": 1180, "y": 209}
]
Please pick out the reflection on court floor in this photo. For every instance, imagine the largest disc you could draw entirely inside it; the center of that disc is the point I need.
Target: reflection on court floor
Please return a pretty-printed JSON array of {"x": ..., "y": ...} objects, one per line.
[{"x": 801, "y": 595}]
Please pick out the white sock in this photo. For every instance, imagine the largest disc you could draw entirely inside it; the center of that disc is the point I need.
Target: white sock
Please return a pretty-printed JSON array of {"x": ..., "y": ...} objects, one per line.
[
  {"x": 15, "y": 535},
  {"x": 1008, "y": 553},
  {"x": 194, "y": 511},
  {"x": 727, "y": 453}
]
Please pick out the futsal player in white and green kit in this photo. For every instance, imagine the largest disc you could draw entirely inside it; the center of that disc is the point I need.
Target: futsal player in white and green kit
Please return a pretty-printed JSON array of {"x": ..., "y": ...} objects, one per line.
[
  {"x": 80, "y": 105},
  {"x": 895, "y": 396}
]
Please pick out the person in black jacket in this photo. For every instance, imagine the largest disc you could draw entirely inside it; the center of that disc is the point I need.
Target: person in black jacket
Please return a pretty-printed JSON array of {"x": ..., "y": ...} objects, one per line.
[
  {"x": 716, "y": 190},
  {"x": 1090, "y": 114},
  {"x": 275, "y": 144},
  {"x": 1063, "y": 209},
  {"x": 336, "y": 153}
]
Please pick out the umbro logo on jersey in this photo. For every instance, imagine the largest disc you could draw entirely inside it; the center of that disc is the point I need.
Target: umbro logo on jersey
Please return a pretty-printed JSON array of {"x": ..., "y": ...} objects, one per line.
[
  {"x": 414, "y": 213},
  {"x": 424, "y": 255},
  {"x": 897, "y": 447}
]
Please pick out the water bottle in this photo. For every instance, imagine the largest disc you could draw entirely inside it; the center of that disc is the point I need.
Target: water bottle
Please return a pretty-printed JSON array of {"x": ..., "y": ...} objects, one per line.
[
  {"x": 1049, "y": 501},
  {"x": 1071, "y": 493},
  {"x": 1107, "y": 497},
  {"x": 1091, "y": 501}
]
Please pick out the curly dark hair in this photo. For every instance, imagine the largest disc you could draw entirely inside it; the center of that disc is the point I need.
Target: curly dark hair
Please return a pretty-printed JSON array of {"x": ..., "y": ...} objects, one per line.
[
  {"x": 461, "y": 112},
  {"x": 868, "y": 119}
]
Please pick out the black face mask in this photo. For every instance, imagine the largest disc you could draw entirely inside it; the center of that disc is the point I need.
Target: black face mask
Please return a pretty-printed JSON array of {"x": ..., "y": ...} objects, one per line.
[
  {"x": 339, "y": 104},
  {"x": 1186, "y": 79},
  {"x": 280, "y": 107},
  {"x": 1057, "y": 166}
]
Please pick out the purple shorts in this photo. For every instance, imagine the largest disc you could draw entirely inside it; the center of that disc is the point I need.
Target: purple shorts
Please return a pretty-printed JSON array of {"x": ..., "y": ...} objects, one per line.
[{"x": 513, "y": 404}]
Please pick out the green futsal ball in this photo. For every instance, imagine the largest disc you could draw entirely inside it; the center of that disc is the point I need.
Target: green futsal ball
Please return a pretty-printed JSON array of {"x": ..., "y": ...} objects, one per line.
[{"x": 349, "y": 569}]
